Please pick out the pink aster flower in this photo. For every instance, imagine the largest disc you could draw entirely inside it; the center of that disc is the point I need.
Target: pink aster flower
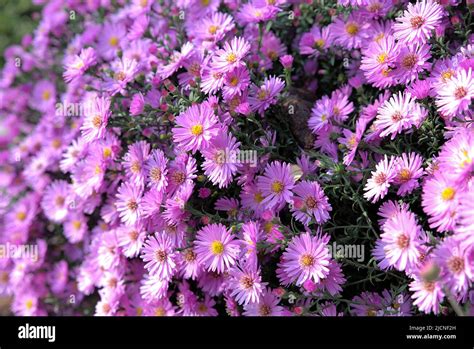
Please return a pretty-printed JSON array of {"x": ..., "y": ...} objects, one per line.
[
  {"x": 159, "y": 256},
  {"x": 77, "y": 65},
  {"x": 129, "y": 203},
  {"x": 310, "y": 202},
  {"x": 411, "y": 61},
  {"x": 276, "y": 184},
  {"x": 231, "y": 55},
  {"x": 427, "y": 295},
  {"x": 381, "y": 179},
  {"x": 401, "y": 238},
  {"x": 75, "y": 227},
  {"x": 306, "y": 257},
  {"x": 262, "y": 97},
  {"x": 156, "y": 167},
  {"x": 111, "y": 39},
  {"x": 213, "y": 27},
  {"x": 457, "y": 156},
  {"x": 95, "y": 121},
  {"x": 398, "y": 114},
  {"x": 409, "y": 170},
  {"x": 254, "y": 12},
  {"x": 418, "y": 22},
  {"x": 321, "y": 114},
  {"x": 135, "y": 162},
  {"x": 350, "y": 33},
  {"x": 315, "y": 41},
  {"x": 440, "y": 201},
  {"x": 452, "y": 257},
  {"x": 246, "y": 285},
  {"x": 235, "y": 82},
  {"x": 124, "y": 71},
  {"x": 378, "y": 61},
  {"x": 177, "y": 60},
  {"x": 195, "y": 127},
  {"x": 456, "y": 95},
  {"x": 56, "y": 200},
  {"x": 216, "y": 248},
  {"x": 267, "y": 305},
  {"x": 220, "y": 162},
  {"x": 131, "y": 239}
]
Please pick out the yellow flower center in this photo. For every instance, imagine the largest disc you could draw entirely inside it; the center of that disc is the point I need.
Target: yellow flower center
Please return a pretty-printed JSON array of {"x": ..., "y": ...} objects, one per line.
[
  {"x": 381, "y": 58},
  {"x": 113, "y": 41},
  {"x": 448, "y": 193},
  {"x": 277, "y": 187},
  {"x": 21, "y": 216},
  {"x": 76, "y": 225},
  {"x": 258, "y": 197},
  {"x": 217, "y": 247},
  {"x": 307, "y": 260},
  {"x": 46, "y": 95},
  {"x": 213, "y": 29},
  {"x": 107, "y": 152},
  {"x": 352, "y": 28},
  {"x": 29, "y": 304},
  {"x": 231, "y": 58},
  {"x": 196, "y": 130},
  {"x": 319, "y": 43}
]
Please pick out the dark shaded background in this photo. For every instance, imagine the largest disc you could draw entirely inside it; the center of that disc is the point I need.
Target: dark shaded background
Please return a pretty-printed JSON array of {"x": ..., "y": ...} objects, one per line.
[{"x": 16, "y": 20}]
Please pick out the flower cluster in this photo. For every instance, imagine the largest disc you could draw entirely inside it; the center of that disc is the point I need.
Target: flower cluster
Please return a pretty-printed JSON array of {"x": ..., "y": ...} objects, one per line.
[{"x": 196, "y": 158}]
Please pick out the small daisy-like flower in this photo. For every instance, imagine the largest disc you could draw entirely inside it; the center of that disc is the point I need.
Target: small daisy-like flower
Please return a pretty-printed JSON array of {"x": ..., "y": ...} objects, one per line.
[
  {"x": 262, "y": 97},
  {"x": 159, "y": 256},
  {"x": 452, "y": 257},
  {"x": 56, "y": 200},
  {"x": 306, "y": 257},
  {"x": 157, "y": 171},
  {"x": 457, "y": 156},
  {"x": 401, "y": 238},
  {"x": 177, "y": 60},
  {"x": 378, "y": 61},
  {"x": 231, "y": 56},
  {"x": 216, "y": 248},
  {"x": 95, "y": 122},
  {"x": 276, "y": 184},
  {"x": 321, "y": 114},
  {"x": 235, "y": 82},
  {"x": 440, "y": 201},
  {"x": 456, "y": 95},
  {"x": 131, "y": 239},
  {"x": 213, "y": 27},
  {"x": 246, "y": 285},
  {"x": 314, "y": 42},
  {"x": 350, "y": 33},
  {"x": 267, "y": 305},
  {"x": 195, "y": 127},
  {"x": 381, "y": 179},
  {"x": 124, "y": 71},
  {"x": 310, "y": 202},
  {"x": 135, "y": 160},
  {"x": 411, "y": 61},
  {"x": 418, "y": 21},
  {"x": 77, "y": 65},
  {"x": 129, "y": 203},
  {"x": 427, "y": 295},
  {"x": 75, "y": 227},
  {"x": 220, "y": 162},
  {"x": 409, "y": 170},
  {"x": 111, "y": 39},
  {"x": 398, "y": 114}
]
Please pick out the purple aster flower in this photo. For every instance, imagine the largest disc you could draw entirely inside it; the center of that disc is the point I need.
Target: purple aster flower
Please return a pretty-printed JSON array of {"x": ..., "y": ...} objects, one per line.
[
  {"x": 220, "y": 162},
  {"x": 418, "y": 22},
  {"x": 262, "y": 97},
  {"x": 310, "y": 202},
  {"x": 409, "y": 170},
  {"x": 377, "y": 185},
  {"x": 195, "y": 127},
  {"x": 306, "y": 257},
  {"x": 129, "y": 203},
  {"x": 216, "y": 248},
  {"x": 276, "y": 184},
  {"x": 231, "y": 55},
  {"x": 159, "y": 256}
]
